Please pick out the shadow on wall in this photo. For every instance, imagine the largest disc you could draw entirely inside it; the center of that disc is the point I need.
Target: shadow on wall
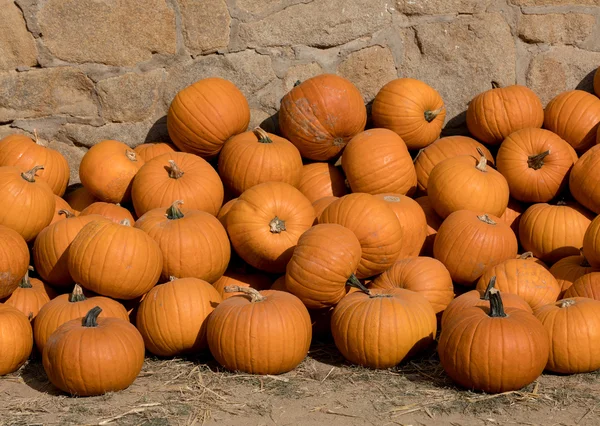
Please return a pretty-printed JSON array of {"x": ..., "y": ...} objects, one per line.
[
  {"x": 158, "y": 131},
  {"x": 587, "y": 84}
]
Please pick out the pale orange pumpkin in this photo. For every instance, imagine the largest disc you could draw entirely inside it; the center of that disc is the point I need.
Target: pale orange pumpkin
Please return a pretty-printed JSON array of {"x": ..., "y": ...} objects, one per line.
[
  {"x": 113, "y": 212},
  {"x": 148, "y": 151},
  {"x": 321, "y": 180}
]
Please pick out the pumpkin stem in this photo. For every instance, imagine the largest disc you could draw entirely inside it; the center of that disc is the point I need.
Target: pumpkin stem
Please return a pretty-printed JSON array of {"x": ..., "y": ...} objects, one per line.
[
  {"x": 67, "y": 213},
  {"x": 431, "y": 115},
  {"x": 91, "y": 318},
  {"x": 354, "y": 282},
  {"x": 174, "y": 171},
  {"x": 496, "y": 306},
  {"x": 496, "y": 85},
  {"x": 536, "y": 162},
  {"x": 277, "y": 225},
  {"x": 174, "y": 212},
  {"x": 254, "y": 294},
  {"x": 485, "y": 218},
  {"x": 77, "y": 294},
  {"x": 30, "y": 175},
  {"x": 297, "y": 83},
  {"x": 263, "y": 137},
  {"x": 482, "y": 163},
  {"x": 526, "y": 255},
  {"x": 584, "y": 263},
  {"x": 373, "y": 296},
  {"x": 566, "y": 303},
  {"x": 125, "y": 222},
  {"x": 172, "y": 278},
  {"x": 131, "y": 155},
  {"x": 391, "y": 198},
  {"x": 25, "y": 282},
  {"x": 489, "y": 288}
]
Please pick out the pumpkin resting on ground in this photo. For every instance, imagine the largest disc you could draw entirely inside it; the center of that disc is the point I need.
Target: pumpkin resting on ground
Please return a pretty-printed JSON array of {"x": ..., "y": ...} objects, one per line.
[
  {"x": 17, "y": 339},
  {"x": 14, "y": 260},
  {"x": 30, "y": 296},
  {"x": 568, "y": 269}
]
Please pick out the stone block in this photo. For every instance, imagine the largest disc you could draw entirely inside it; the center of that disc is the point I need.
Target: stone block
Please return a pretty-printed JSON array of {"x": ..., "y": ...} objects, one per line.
[{"x": 17, "y": 46}]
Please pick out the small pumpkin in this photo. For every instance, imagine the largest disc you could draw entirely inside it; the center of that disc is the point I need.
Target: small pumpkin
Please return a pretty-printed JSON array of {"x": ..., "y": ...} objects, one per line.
[
  {"x": 412, "y": 109},
  {"x": 148, "y": 151},
  {"x": 239, "y": 341},
  {"x": 568, "y": 269},
  {"x": 245, "y": 277},
  {"x": 321, "y": 204},
  {"x": 17, "y": 339},
  {"x": 79, "y": 198},
  {"x": 14, "y": 260},
  {"x": 97, "y": 372},
  {"x": 512, "y": 214},
  {"x": 591, "y": 243},
  {"x": 320, "y": 180},
  {"x": 60, "y": 206},
  {"x": 113, "y": 212},
  {"x": 434, "y": 221},
  {"x": 587, "y": 285},
  {"x": 224, "y": 211},
  {"x": 30, "y": 296},
  {"x": 278, "y": 284},
  {"x": 584, "y": 180}
]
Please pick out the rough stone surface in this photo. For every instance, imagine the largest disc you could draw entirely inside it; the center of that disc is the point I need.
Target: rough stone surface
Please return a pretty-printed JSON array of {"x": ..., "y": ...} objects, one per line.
[
  {"x": 117, "y": 32},
  {"x": 555, "y": 2},
  {"x": 8, "y": 130},
  {"x": 561, "y": 69},
  {"x": 51, "y": 91},
  {"x": 17, "y": 46},
  {"x": 301, "y": 72},
  {"x": 130, "y": 97},
  {"x": 369, "y": 69},
  {"x": 441, "y": 7},
  {"x": 131, "y": 134},
  {"x": 205, "y": 25},
  {"x": 556, "y": 28},
  {"x": 73, "y": 155}
]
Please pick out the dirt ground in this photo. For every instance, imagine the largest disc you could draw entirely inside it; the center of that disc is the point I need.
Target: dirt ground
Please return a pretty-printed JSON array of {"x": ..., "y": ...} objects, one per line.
[{"x": 322, "y": 390}]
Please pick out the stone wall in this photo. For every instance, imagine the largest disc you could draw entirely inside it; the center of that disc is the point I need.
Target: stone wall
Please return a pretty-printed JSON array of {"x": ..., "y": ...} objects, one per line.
[{"x": 80, "y": 71}]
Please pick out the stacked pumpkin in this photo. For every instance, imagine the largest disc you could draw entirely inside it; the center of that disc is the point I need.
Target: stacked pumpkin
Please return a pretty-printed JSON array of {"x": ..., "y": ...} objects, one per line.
[{"x": 252, "y": 244}]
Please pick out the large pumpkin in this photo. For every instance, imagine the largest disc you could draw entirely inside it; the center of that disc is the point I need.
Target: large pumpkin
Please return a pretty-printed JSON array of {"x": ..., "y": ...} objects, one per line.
[
  {"x": 75, "y": 343},
  {"x": 535, "y": 163},
  {"x": 150, "y": 150},
  {"x": 496, "y": 113},
  {"x": 591, "y": 243},
  {"x": 434, "y": 221},
  {"x": 265, "y": 223},
  {"x": 372, "y": 328},
  {"x": 587, "y": 285},
  {"x": 465, "y": 183},
  {"x": 172, "y": 316},
  {"x": 468, "y": 243},
  {"x": 108, "y": 169},
  {"x": 374, "y": 224},
  {"x": 412, "y": 109},
  {"x": 240, "y": 341},
  {"x": 256, "y": 157},
  {"x": 568, "y": 269},
  {"x": 193, "y": 243},
  {"x": 443, "y": 148},
  {"x": 377, "y": 161},
  {"x": 131, "y": 261},
  {"x": 14, "y": 260},
  {"x": 321, "y": 180},
  {"x": 113, "y": 212},
  {"x": 552, "y": 232},
  {"x": 30, "y": 296},
  {"x": 574, "y": 116},
  {"x": 205, "y": 114},
  {"x": 321, "y": 114},
  {"x": 27, "y": 202},
  {"x": 584, "y": 180},
  {"x": 17, "y": 339},
  {"x": 177, "y": 176},
  {"x": 22, "y": 152}
]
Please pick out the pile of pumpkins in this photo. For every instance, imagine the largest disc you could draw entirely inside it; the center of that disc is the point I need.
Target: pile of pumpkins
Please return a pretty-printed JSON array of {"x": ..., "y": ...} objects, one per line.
[{"x": 251, "y": 244}]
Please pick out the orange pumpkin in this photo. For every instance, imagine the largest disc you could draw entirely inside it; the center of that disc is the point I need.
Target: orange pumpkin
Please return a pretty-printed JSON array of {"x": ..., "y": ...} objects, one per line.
[
  {"x": 388, "y": 168},
  {"x": 434, "y": 221},
  {"x": 279, "y": 284},
  {"x": 30, "y": 296},
  {"x": 177, "y": 176},
  {"x": 112, "y": 212},
  {"x": 79, "y": 198},
  {"x": 574, "y": 116},
  {"x": 321, "y": 204},
  {"x": 412, "y": 109},
  {"x": 587, "y": 285},
  {"x": 496, "y": 113},
  {"x": 242, "y": 278},
  {"x": 148, "y": 151},
  {"x": 14, "y": 260},
  {"x": 59, "y": 207},
  {"x": 535, "y": 163},
  {"x": 205, "y": 114},
  {"x": 22, "y": 152},
  {"x": 17, "y": 339},
  {"x": 568, "y": 269},
  {"x": 584, "y": 181},
  {"x": 224, "y": 211},
  {"x": 512, "y": 215},
  {"x": 321, "y": 114},
  {"x": 321, "y": 180}
]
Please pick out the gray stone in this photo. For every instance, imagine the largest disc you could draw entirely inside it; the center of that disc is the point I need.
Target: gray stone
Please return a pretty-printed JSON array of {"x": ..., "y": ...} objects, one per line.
[
  {"x": 553, "y": 28},
  {"x": 73, "y": 155},
  {"x": 300, "y": 72},
  {"x": 205, "y": 25},
  {"x": 119, "y": 32},
  {"x": 441, "y": 7},
  {"x": 17, "y": 46},
  {"x": 555, "y": 2},
  {"x": 43, "y": 92},
  {"x": 131, "y": 134},
  {"x": 7, "y": 130}
]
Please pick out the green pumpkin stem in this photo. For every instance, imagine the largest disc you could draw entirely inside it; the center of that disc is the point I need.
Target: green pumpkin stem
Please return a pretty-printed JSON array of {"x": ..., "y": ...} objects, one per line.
[
  {"x": 30, "y": 175},
  {"x": 25, "y": 281},
  {"x": 496, "y": 306},
  {"x": 77, "y": 294},
  {"x": 174, "y": 171},
  {"x": 536, "y": 162},
  {"x": 91, "y": 318},
  {"x": 431, "y": 115},
  {"x": 174, "y": 212},
  {"x": 489, "y": 288},
  {"x": 263, "y": 137},
  {"x": 355, "y": 282},
  {"x": 254, "y": 294},
  {"x": 482, "y": 163},
  {"x": 276, "y": 226}
]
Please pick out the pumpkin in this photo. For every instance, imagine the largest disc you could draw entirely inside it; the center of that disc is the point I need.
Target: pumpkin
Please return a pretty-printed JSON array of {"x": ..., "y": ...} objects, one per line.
[
  {"x": 552, "y": 232},
  {"x": 574, "y": 116},
  {"x": 239, "y": 340},
  {"x": 434, "y": 221},
  {"x": 591, "y": 243},
  {"x": 131, "y": 259},
  {"x": 323, "y": 263},
  {"x": 113, "y": 212},
  {"x": 377, "y": 161},
  {"x": 492, "y": 350},
  {"x": 79, "y": 198},
  {"x": 320, "y": 180},
  {"x": 265, "y": 223},
  {"x": 441, "y": 149},
  {"x": 412, "y": 109},
  {"x": 371, "y": 328},
  {"x": 28, "y": 203},
  {"x": 58, "y": 210},
  {"x": 150, "y": 150},
  {"x": 512, "y": 215},
  {"x": 374, "y": 224},
  {"x": 205, "y": 114},
  {"x": 22, "y": 152},
  {"x": 14, "y": 260},
  {"x": 172, "y": 316},
  {"x": 468, "y": 243},
  {"x": 535, "y": 163},
  {"x": 463, "y": 183},
  {"x": 256, "y": 157},
  {"x": 587, "y": 285},
  {"x": 321, "y": 204},
  {"x": 534, "y": 283},
  {"x": 30, "y": 296},
  {"x": 573, "y": 326},
  {"x": 51, "y": 248},
  {"x": 423, "y": 275},
  {"x": 107, "y": 171},
  {"x": 412, "y": 221},
  {"x": 17, "y": 339},
  {"x": 177, "y": 176},
  {"x": 193, "y": 243},
  {"x": 278, "y": 284},
  {"x": 224, "y": 211},
  {"x": 74, "y": 365},
  {"x": 481, "y": 298},
  {"x": 597, "y": 82},
  {"x": 584, "y": 180},
  {"x": 66, "y": 307},
  {"x": 321, "y": 114},
  {"x": 568, "y": 269},
  {"x": 242, "y": 278},
  {"x": 494, "y": 114}
]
